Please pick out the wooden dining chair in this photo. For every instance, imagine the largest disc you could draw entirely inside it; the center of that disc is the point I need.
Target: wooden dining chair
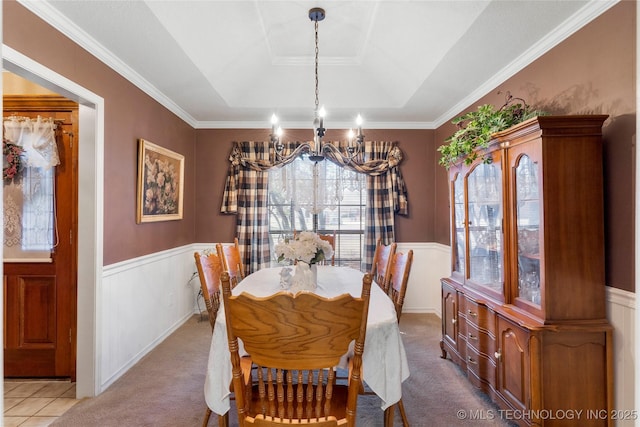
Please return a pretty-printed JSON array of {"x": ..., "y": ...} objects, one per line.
[
  {"x": 209, "y": 267},
  {"x": 381, "y": 262},
  {"x": 398, "y": 270},
  {"x": 295, "y": 341},
  {"x": 331, "y": 238},
  {"x": 398, "y": 278},
  {"x": 232, "y": 260}
]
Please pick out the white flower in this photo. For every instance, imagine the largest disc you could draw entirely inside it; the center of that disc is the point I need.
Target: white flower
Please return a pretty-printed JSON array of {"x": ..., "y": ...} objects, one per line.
[{"x": 307, "y": 247}]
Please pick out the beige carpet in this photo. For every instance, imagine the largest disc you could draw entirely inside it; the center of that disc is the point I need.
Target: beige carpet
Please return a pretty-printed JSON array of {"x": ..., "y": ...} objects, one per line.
[{"x": 166, "y": 387}]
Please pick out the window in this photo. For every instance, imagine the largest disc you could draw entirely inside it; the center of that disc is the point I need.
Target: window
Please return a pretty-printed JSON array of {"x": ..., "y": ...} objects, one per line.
[
  {"x": 38, "y": 211},
  {"x": 29, "y": 198},
  {"x": 320, "y": 197},
  {"x": 29, "y": 215}
]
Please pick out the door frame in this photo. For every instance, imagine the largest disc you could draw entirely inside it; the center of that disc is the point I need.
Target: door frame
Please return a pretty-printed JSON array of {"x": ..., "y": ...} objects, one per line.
[{"x": 90, "y": 211}]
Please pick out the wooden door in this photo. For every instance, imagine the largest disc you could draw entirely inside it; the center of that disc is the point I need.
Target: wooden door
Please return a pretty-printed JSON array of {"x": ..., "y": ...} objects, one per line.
[
  {"x": 527, "y": 227},
  {"x": 449, "y": 316},
  {"x": 513, "y": 364},
  {"x": 485, "y": 227},
  {"x": 40, "y": 297}
]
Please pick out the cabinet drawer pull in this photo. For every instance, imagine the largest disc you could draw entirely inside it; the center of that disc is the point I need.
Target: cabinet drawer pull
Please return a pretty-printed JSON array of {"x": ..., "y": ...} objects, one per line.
[
  {"x": 497, "y": 354},
  {"x": 472, "y": 313},
  {"x": 470, "y": 360},
  {"x": 472, "y": 337},
  {"x": 454, "y": 321}
]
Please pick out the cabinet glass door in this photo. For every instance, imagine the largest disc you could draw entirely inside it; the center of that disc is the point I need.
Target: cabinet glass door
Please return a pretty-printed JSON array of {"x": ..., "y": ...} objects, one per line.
[
  {"x": 528, "y": 227},
  {"x": 459, "y": 220},
  {"x": 484, "y": 187}
]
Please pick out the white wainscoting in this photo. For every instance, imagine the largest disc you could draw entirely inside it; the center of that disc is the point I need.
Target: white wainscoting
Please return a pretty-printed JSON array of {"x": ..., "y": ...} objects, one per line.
[
  {"x": 621, "y": 308},
  {"x": 431, "y": 262},
  {"x": 144, "y": 300}
]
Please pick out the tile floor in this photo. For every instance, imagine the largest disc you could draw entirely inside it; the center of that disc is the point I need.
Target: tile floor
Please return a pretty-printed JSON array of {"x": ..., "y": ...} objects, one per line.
[{"x": 35, "y": 403}]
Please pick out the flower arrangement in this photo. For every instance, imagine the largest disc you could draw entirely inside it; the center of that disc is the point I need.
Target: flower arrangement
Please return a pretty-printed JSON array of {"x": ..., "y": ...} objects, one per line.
[
  {"x": 307, "y": 247},
  {"x": 12, "y": 164}
]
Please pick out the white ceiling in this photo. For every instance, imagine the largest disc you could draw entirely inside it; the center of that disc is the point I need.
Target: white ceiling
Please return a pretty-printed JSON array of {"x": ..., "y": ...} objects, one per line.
[{"x": 399, "y": 63}]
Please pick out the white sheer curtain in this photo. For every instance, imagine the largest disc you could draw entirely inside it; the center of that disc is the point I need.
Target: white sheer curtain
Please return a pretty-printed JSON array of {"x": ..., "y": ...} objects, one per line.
[
  {"x": 314, "y": 186},
  {"x": 29, "y": 198}
]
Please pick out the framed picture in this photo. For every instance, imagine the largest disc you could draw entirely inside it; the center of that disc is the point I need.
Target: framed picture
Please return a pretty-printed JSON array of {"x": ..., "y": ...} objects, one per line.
[{"x": 160, "y": 183}]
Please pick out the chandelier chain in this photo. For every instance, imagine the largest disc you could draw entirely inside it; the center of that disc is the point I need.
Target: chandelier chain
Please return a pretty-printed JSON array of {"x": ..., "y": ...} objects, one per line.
[{"x": 316, "y": 69}]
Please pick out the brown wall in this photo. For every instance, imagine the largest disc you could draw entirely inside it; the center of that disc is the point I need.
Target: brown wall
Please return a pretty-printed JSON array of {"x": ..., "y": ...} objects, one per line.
[
  {"x": 214, "y": 146},
  {"x": 591, "y": 72},
  {"x": 129, "y": 114}
]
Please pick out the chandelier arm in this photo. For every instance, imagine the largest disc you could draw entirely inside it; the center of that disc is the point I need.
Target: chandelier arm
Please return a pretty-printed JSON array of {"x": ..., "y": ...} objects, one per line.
[{"x": 344, "y": 157}]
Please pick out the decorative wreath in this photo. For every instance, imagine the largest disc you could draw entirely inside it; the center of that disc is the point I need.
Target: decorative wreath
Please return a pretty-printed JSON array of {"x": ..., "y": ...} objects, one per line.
[{"x": 12, "y": 163}]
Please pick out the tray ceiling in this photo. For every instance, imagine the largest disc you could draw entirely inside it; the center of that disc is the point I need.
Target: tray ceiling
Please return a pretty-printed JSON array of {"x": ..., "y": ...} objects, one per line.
[{"x": 401, "y": 64}]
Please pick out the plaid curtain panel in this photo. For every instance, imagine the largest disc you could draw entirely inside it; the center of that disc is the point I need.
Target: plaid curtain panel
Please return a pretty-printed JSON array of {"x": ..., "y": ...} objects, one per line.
[
  {"x": 245, "y": 192},
  {"x": 387, "y": 195}
]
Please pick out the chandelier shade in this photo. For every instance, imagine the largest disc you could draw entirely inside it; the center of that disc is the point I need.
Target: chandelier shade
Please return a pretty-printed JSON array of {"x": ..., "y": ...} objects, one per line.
[{"x": 318, "y": 147}]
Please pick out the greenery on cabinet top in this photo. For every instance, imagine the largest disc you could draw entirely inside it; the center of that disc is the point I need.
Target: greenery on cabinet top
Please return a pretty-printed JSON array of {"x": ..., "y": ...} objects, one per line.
[{"x": 476, "y": 128}]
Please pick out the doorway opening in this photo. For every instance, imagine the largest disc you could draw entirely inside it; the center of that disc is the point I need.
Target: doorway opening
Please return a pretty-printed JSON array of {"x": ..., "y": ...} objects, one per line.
[{"x": 90, "y": 210}]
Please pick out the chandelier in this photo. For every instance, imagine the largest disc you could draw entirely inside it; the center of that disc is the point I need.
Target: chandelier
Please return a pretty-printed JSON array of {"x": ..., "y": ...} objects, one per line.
[{"x": 317, "y": 150}]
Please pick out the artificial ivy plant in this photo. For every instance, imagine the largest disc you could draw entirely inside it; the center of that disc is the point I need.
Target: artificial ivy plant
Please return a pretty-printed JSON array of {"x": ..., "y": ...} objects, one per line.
[{"x": 475, "y": 129}]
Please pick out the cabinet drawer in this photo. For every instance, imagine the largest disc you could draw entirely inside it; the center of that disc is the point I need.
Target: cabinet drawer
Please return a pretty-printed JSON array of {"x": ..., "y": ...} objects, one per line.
[
  {"x": 462, "y": 339},
  {"x": 480, "y": 316},
  {"x": 480, "y": 368},
  {"x": 462, "y": 305},
  {"x": 480, "y": 340},
  {"x": 462, "y": 324}
]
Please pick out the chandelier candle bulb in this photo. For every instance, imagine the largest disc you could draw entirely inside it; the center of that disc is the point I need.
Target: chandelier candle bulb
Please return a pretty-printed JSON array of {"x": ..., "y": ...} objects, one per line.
[
  {"x": 359, "y": 124},
  {"x": 276, "y": 132}
]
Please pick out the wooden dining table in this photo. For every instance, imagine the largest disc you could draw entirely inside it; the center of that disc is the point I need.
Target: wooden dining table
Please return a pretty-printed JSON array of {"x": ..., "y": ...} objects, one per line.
[{"x": 384, "y": 361}]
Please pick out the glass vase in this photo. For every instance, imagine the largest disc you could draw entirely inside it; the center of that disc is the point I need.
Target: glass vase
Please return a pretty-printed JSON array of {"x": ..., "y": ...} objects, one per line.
[{"x": 305, "y": 277}]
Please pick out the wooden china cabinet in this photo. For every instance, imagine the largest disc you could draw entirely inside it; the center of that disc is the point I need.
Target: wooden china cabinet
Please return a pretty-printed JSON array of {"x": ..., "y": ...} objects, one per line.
[{"x": 523, "y": 311}]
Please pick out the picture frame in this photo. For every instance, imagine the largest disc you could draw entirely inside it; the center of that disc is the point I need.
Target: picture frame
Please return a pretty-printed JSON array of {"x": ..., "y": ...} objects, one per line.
[{"x": 160, "y": 189}]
